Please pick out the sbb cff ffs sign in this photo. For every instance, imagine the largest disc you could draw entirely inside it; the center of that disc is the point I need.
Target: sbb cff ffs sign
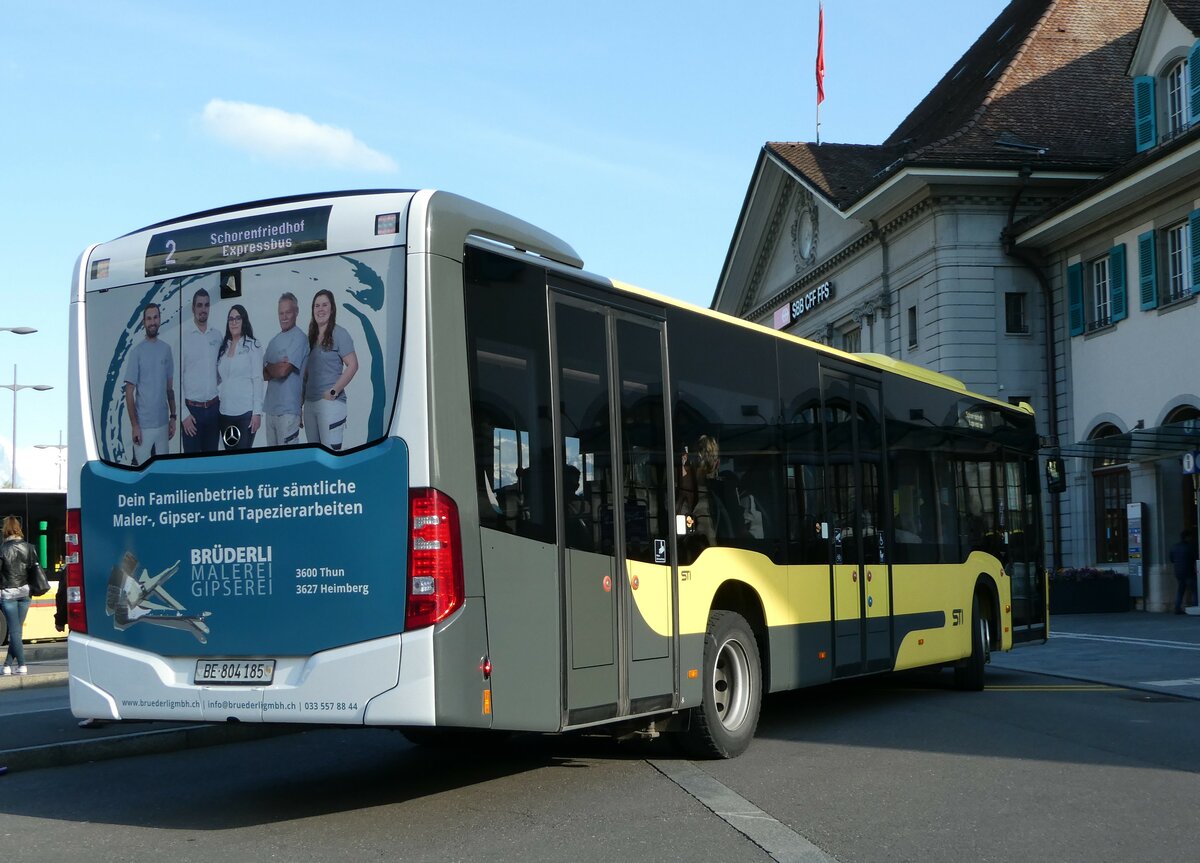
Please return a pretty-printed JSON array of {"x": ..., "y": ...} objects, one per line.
[
  {"x": 822, "y": 293},
  {"x": 802, "y": 305}
]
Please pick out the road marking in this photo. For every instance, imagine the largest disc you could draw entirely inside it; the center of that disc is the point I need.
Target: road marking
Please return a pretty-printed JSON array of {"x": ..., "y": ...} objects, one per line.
[
  {"x": 1121, "y": 639},
  {"x": 22, "y": 711},
  {"x": 781, "y": 842},
  {"x": 1051, "y": 687},
  {"x": 1191, "y": 681}
]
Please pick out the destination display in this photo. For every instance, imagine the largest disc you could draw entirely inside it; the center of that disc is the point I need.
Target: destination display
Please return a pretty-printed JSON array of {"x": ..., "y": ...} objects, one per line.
[{"x": 237, "y": 241}]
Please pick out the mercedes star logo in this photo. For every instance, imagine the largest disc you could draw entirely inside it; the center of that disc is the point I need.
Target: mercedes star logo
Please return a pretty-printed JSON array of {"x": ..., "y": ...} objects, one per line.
[{"x": 231, "y": 436}]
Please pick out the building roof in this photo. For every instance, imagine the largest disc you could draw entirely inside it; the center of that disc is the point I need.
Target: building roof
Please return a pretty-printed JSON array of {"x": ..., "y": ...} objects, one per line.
[
  {"x": 1188, "y": 13},
  {"x": 1044, "y": 86}
]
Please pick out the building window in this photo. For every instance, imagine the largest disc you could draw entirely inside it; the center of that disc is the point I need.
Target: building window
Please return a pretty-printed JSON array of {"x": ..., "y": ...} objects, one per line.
[
  {"x": 1110, "y": 483},
  {"x": 1177, "y": 99},
  {"x": 1101, "y": 294},
  {"x": 1179, "y": 264},
  {"x": 912, "y": 326},
  {"x": 1015, "y": 321},
  {"x": 852, "y": 340}
]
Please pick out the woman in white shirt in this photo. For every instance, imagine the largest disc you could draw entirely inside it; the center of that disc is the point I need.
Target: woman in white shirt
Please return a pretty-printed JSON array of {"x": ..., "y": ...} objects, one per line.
[
  {"x": 328, "y": 370},
  {"x": 240, "y": 385}
]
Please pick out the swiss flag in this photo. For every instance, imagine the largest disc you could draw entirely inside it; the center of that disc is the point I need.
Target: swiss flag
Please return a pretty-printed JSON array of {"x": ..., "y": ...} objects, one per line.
[{"x": 821, "y": 54}]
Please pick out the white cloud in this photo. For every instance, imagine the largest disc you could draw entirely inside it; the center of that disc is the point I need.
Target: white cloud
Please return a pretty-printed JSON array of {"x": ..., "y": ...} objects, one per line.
[{"x": 280, "y": 135}]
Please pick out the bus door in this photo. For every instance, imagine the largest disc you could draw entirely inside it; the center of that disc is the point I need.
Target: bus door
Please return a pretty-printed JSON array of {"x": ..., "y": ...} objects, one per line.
[
  {"x": 1021, "y": 534},
  {"x": 855, "y": 499},
  {"x": 617, "y": 567}
]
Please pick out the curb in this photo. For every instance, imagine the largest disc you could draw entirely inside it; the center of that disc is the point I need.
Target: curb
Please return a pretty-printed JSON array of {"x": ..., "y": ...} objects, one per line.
[
  {"x": 139, "y": 743},
  {"x": 36, "y": 651},
  {"x": 33, "y": 681}
]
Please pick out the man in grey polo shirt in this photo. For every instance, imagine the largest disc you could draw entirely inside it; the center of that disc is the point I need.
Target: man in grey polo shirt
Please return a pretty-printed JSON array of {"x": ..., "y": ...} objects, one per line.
[
  {"x": 282, "y": 363},
  {"x": 150, "y": 390}
]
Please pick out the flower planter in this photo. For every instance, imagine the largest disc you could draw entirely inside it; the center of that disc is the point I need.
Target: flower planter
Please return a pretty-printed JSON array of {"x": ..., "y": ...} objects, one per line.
[{"x": 1090, "y": 596}]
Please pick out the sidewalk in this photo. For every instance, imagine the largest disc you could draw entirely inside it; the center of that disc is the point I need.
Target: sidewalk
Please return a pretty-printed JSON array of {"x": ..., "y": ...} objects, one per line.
[
  {"x": 1135, "y": 650},
  {"x": 47, "y": 664}
]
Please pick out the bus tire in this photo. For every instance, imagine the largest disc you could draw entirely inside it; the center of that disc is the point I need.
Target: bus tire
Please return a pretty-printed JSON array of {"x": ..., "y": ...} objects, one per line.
[
  {"x": 968, "y": 674},
  {"x": 723, "y": 725}
]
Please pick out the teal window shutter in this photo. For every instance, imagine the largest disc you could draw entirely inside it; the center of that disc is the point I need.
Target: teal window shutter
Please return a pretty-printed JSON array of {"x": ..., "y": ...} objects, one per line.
[
  {"x": 1147, "y": 277},
  {"x": 1075, "y": 299},
  {"x": 1194, "y": 242},
  {"x": 1194, "y": 81},
  {"x": 1144, "y": 125},
  {"x": 1116, "y": 283}
]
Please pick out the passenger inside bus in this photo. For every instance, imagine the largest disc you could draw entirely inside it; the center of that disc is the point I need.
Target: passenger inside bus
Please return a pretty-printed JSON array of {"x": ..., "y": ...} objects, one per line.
[
  {"x": 577, "y": 514},
  {"x": 708, "y": 498}
]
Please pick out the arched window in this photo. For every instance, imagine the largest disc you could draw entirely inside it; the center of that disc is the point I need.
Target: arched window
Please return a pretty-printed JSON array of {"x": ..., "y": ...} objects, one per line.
[
  {"x": 1110, "y": 481},
  {"x": 1182, "y": 414}
]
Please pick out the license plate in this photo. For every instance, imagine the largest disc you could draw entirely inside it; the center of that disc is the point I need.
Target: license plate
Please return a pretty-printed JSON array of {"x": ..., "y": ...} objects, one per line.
[{"x": 235, "y": 670}]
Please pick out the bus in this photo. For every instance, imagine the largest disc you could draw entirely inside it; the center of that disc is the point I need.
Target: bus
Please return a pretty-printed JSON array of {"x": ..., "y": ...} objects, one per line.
[
  {"x": 43, "y": 517},
  {"x": 511, "y": 495}
]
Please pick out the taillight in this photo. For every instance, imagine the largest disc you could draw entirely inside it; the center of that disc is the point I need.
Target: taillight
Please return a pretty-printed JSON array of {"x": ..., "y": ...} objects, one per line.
[
  {"x": 435, "y": 572},
  {"x": 76, "y": 612}
]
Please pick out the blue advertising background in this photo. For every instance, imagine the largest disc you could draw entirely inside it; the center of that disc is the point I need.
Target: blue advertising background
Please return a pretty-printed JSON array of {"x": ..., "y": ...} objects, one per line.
[{"x": 337, "y": 555}]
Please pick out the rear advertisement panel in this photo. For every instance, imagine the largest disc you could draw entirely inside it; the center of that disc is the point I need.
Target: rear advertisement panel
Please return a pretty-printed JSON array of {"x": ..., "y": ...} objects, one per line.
[
  {"x": 298, "y": 552},
  {"x": 276, "y": 354}
]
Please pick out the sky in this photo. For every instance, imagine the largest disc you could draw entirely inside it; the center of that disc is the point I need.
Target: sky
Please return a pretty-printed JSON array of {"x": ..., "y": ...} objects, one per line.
[{"x": 628, "y": 129}]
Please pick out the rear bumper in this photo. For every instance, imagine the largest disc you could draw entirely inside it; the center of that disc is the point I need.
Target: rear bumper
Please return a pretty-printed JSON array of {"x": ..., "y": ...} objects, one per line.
[{"x": 386, "y": 681}]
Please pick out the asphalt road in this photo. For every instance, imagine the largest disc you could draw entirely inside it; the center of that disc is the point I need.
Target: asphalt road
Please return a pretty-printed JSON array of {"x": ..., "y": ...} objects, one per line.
[{"x": 902, "y": 768}]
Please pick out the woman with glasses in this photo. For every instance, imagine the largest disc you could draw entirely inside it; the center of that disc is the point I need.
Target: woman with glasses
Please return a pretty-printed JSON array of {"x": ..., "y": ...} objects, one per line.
[{"x": 240, "y": 385}]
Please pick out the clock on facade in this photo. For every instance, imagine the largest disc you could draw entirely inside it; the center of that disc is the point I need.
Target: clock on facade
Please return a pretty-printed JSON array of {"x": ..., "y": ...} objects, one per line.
[{"x": 804, "y": 231}]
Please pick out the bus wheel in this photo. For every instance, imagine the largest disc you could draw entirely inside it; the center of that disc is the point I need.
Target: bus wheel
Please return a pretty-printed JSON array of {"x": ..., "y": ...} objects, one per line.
[
  {"x": 968, "y": 674},
  {"x": 723, "y": 725}
]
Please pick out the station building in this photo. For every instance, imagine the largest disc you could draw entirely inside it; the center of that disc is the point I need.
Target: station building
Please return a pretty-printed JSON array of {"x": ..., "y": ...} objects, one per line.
[{"x": 1031, "y": 228}]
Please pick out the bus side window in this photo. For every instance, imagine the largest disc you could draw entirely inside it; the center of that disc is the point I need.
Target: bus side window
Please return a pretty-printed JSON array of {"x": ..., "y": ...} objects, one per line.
[
  {"x": 726, "y": 409},
  {"x": 509, "y": 366}
]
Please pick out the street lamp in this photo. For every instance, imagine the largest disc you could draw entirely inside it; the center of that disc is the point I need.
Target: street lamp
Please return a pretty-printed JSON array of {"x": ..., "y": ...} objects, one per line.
[
  {"x": 20, "y": 331},
  {"x": 16, "y": 387},
  {"x": 60, "y": 446}
]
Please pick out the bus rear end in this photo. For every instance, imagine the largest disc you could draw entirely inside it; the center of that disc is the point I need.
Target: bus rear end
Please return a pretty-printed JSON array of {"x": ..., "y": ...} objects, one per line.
[{"x": 252, "y": 532}]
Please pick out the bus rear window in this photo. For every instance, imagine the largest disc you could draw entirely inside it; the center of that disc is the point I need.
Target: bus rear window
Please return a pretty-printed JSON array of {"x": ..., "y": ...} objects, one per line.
[{"x": 280, "y": 354}]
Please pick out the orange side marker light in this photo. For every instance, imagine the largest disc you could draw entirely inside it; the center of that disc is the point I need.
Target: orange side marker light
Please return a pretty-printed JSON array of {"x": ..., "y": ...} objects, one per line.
[
  {"x": 693, "y": 673},
  {"x": 487, "y": 702}
]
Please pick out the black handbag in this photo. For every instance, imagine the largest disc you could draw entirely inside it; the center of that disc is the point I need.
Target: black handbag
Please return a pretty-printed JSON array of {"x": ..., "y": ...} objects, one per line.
[{"x": 38, "y": 585}]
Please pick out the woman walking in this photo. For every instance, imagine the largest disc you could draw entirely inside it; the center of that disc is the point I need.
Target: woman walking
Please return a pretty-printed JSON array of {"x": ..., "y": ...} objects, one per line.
[
  {"x": 330, "y": 366},
  {"x": 240, "y": 385},
  {"x": 18, "y": 565}
]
